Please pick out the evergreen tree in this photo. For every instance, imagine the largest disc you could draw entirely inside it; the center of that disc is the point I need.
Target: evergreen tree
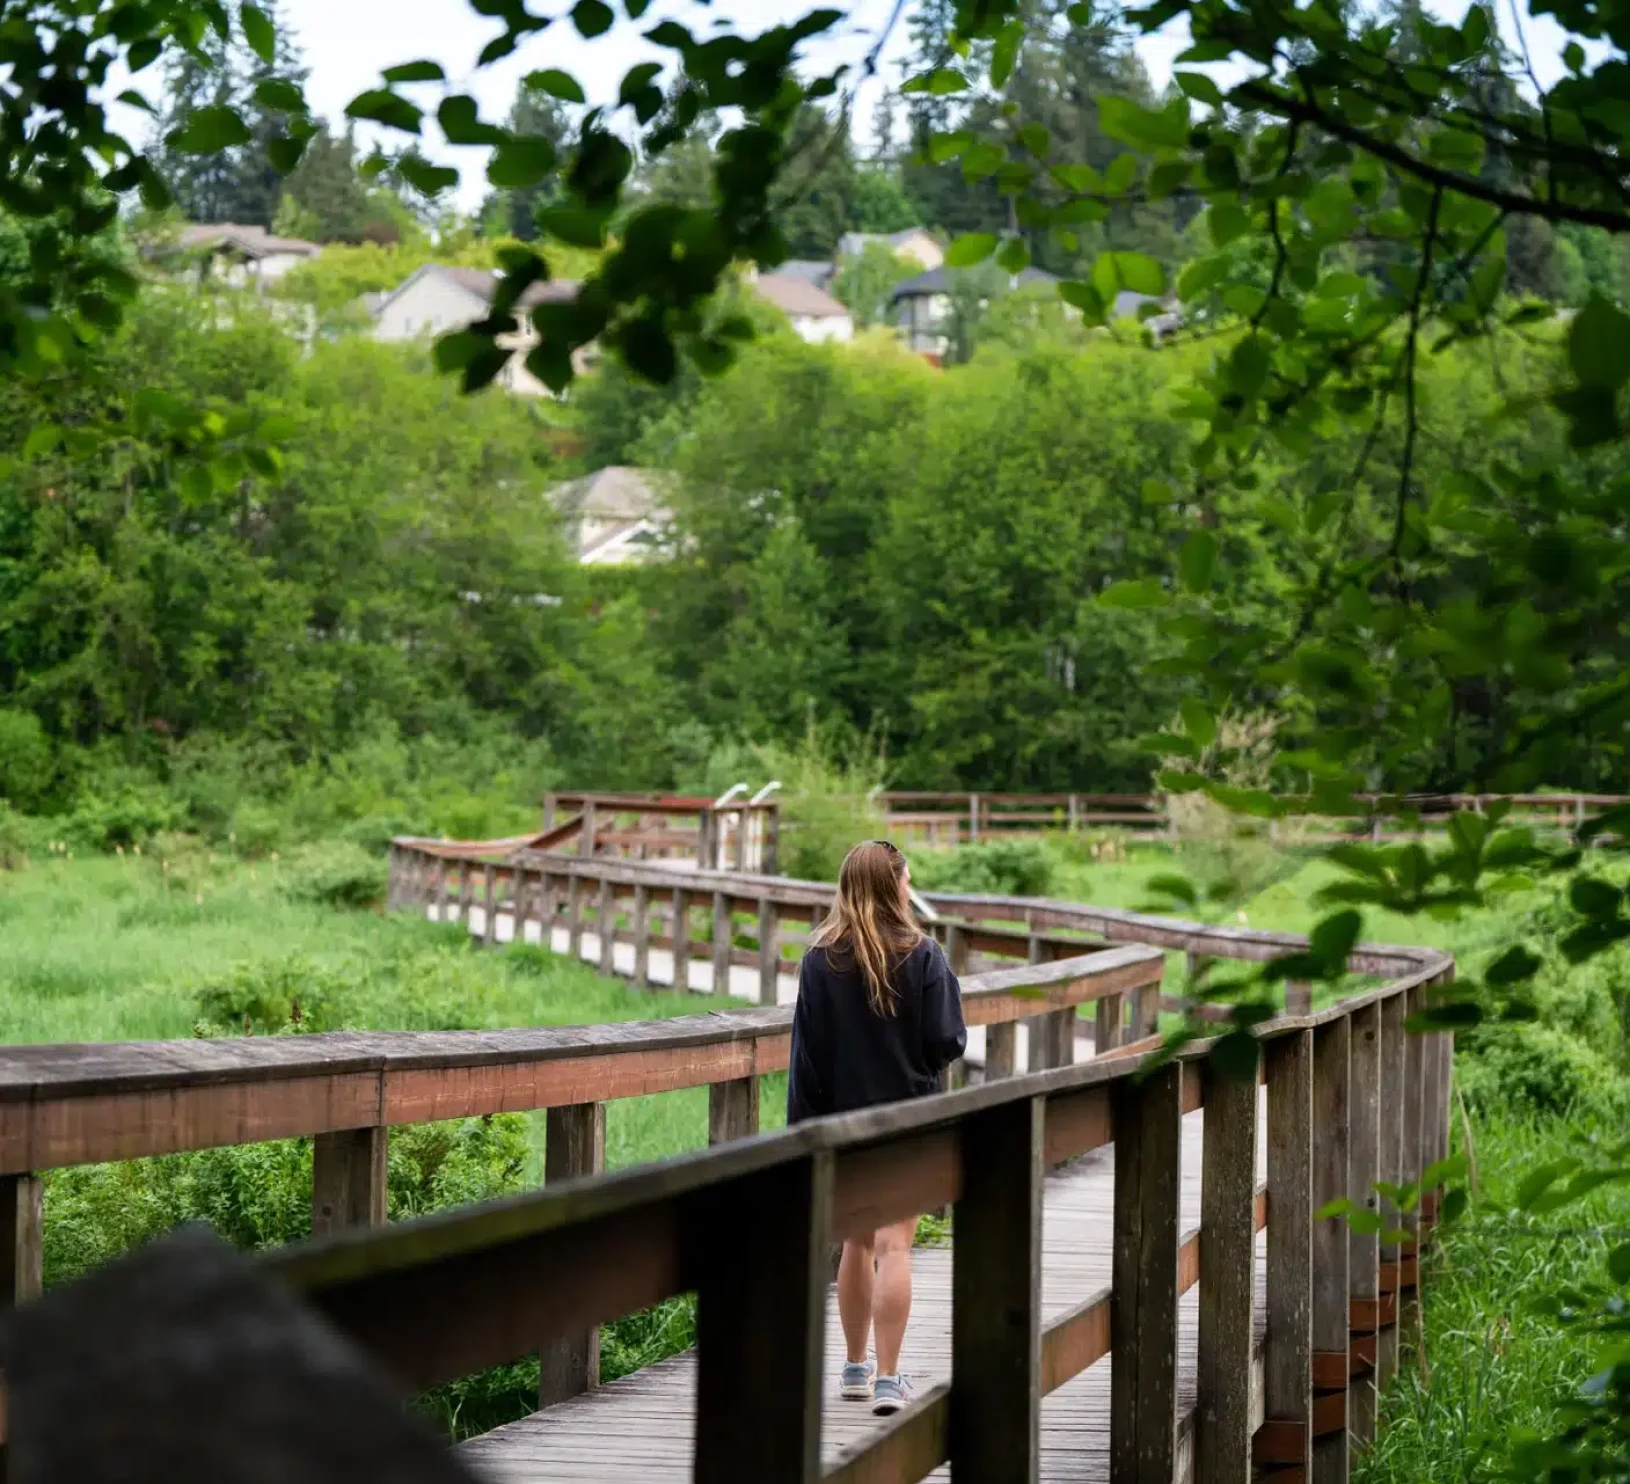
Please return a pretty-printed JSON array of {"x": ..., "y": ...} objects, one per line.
[
  {"x": 333, "y": 202},
  {"x": 539, "y": 115},
  {"x": 239, "y": 184}
]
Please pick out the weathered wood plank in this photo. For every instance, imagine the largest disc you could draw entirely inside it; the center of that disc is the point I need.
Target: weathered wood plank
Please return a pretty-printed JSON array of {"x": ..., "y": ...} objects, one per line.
[
  {"x": 574, "y": 1146},
  {"x": 1362, "y": 1246},
  {"x": 769, "y": 951},
  {"x": 1390, "y": 1164},
  {"x": 760, "y": 1326},
  {"x": 1222, "y": 1451},
  {"x": 22, "y": 1238},
  {"x": 1332, "y": 1081},
  {"x": 1143, "y": 1311},
  {"x": 732, "y": 1110},
  {"x": 996, "y": 1297},
  {"x": 1288, "y": 1373},
  {"x": 348, "y": 1179}
]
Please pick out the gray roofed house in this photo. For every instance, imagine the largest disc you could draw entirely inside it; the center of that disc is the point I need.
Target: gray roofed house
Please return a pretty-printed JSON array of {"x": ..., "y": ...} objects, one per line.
[
  {"x": 811, "y": 270},
  {"x": 815, "y": 315},
  {"x": 916, "y": 243},
  {"x": 921, "y": 306},
  {"x": 242, "y": 255},
  {"x": 439, "y": 298},
  {"x": 615, "y": 515}
]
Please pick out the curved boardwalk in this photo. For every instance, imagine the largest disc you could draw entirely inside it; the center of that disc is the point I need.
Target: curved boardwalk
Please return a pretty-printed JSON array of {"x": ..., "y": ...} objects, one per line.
[{"x": 640, "y": 1428}]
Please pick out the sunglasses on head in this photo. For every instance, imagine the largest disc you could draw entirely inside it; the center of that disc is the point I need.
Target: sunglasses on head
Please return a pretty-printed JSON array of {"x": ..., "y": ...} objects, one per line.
[{"x": 888, "y": 845}]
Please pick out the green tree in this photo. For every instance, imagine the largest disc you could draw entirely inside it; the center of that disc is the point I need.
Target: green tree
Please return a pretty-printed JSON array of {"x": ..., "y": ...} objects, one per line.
[
  {"x": 535, "y": 114},
  {"x": 864, "y": 282}
]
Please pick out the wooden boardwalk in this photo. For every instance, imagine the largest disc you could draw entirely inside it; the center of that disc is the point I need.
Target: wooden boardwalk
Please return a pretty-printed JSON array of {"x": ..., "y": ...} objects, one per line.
[{"x": 641, "y": 1427}]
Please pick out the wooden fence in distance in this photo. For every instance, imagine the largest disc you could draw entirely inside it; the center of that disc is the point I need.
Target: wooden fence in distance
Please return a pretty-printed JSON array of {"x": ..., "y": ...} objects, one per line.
[
  {"x": 741, "y": 835},
  {"x": 963, "y": 818}
]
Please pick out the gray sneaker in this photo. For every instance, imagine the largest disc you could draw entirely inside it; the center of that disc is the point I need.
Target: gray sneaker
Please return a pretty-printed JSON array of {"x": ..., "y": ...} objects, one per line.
[
  {"x": 857, "y": 1381},
  {"x": 889, "y": 1394}
]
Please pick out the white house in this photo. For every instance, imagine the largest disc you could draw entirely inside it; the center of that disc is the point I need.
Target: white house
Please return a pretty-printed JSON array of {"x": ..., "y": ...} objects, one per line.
[
  {"x": 614, "y": 516},
  {"x": 436, "y": 299},
  {"x": 815, "y": 315},
  {"x": 916, "y": 243},
  {"x": 244, "y": 256}
]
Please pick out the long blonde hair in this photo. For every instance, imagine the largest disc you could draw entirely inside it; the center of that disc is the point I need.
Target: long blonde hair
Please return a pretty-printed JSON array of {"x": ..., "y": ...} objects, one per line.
[{"x": 869, "y": 925}]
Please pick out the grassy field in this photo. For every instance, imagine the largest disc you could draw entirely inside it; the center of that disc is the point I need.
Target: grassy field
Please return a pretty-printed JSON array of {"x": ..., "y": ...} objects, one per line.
[{"x": 178, "y": 942}]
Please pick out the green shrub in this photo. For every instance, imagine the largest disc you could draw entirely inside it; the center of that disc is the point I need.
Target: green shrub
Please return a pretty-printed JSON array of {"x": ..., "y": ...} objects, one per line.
[
  {"x": 265, "y": 998},
  {"x": 335, "y": 873},
  {"x": 27, "y": 769},
  {"x": 123, "y": 814},
  {"x": 1532, "y": 1068},
  {"x": 1014, "y": 868},
  {"x": 827, "y": 804}
]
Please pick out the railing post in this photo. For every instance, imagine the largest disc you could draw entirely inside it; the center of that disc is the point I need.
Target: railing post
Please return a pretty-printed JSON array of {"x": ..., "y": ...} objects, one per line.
[
  {"x": 973, "y": 819},
  {"x": 996, "y": 1297},
  {"x": 442, "y": 872},
  {"x": 1108, "y": 1015},
  {"x": 574, "y": 916},
  {"x": 642, "y": 937},
  {"x": 1363, "y": 1252},
  {"x": 574, "y": 1144},
  {"x": 732, "y": 1110},
  {"x": 585, "y": 839},
  {"x": 606, "y": 924},
  {"x": 393, "y": 880},
  {"x": 489, "y": 911},
  {"x": 1056, "y": 1046},
  {"x": 348, "y": 1179},
  {"x": 760, "y": 1322},
  {"x": 769, "y": 951},
  {"x": 680, "y": 934},
  {"x": 517, "y": 905},
  {"x": 548, "y": 812},
  {"x": 722, "y": 929},
  {"x": 739, "y": 849},
  {"x": 1286, "y": 1433},
  {"x": 1298, "y": 998},
  {"x": 1222, "y": 1445},
  {"x": 1143, "y": 1302},
  {"x": 1414, "y": 1161},
  {"x": 1332, "y": 1361},
  {"x": 1389, "y": 1164},
  {"x": 22, "y": 1231},
  {"x": 771, "y": 864}
]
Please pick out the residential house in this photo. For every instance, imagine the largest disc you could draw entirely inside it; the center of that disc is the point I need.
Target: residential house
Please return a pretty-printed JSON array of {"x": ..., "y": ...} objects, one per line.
[
  {"x": 812, "y": 270},
  {"x": 243, "y": 256},
  {"x": 815, "y": 315},
  {"x": 436, "y": 299},
  {"x": 916, "y": 243},
  {"x": 614, "y": 516},
  {"x": 921, "y": 306}
]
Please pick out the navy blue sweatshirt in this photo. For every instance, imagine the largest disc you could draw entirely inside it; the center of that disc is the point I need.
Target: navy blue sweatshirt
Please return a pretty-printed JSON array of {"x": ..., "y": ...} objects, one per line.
[{"x": 845, "y": 1056}]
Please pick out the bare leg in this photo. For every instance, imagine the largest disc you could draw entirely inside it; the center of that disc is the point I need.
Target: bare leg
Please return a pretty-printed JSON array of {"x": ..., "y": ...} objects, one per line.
[
  {"x": 891, "y": 1305},
  {"x": 855, "y": 1298}
]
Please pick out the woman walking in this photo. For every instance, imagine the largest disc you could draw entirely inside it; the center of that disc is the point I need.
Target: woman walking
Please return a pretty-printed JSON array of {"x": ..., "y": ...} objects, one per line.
[{"x": 879, "y": 1018}]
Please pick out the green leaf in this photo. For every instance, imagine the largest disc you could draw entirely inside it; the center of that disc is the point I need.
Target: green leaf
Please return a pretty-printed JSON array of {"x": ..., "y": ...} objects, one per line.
[
  {"x": 385, "y": 107},
  {"x": 1513, "y": 966},
  {"x": 592, "y": 18},
  {"x": 1226, "y": 220},
  {"x": 208, "y": 131},
  {"x": 1618, "y": 1263},
  {"x": 258, "y": 32},
  {"x": 1014, "y": 255},
  {"x": 426, "y": 178},
  {"x": 42, "y": 439},
  {"x": 556, "y": 84},
  {"x": 1199, "y": 87},
  {"x": 1143, "y": 128},
  {"x": 1140, "y": 273},
  {"x": 1198, "y": 721},
  {"x": 1134, "y": 592},
  {"x": 1178, "y": 888},
  {"x": 1454, "y": 1015},
  {"x": 1454, "y": 1205},
  {"x": 970, "y": 248},
  {"x": 1236, "y": 1056},
  {"x": 1202, "y": 274},
  {"x": 1005, "y": 53},
  {"x": 1198, "y": 560},
  {"x": 460, "y": 122},
  {"x": 1599, "y": 345},
  {"x": 280, "y": 95},
  {"x": 940, "y": 83},
  {"x": 415, "y": 72},
  {"x": 521, "y": 160},
  {"x": 1085, "y": 297}
]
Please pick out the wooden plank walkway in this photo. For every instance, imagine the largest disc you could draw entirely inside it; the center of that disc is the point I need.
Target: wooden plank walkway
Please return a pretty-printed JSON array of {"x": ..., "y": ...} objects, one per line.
[{"x": 640, "y": 1428}]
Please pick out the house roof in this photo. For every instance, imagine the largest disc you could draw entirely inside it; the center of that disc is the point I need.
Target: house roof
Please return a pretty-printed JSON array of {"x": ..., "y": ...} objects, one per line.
[
  {"x": 852, "y": 244},
  {"x": 943, "y": 280},
  {"x": 617, "y": 492},
  {"x": 1127, "y": 304},
  {"x": 482, "y": 284},
  {"x": 811, "y": 270},
  {"x": 798, "y": 298},
  {"x": 251, "y": 241}
]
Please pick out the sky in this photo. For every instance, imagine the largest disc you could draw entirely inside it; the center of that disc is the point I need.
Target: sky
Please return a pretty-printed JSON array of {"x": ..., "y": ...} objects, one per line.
[{"x": 348, "y": 43}]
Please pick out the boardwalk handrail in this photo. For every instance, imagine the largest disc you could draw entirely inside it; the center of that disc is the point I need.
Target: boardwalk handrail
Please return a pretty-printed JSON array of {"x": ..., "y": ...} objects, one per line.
[{"x": 1351, "y": 1100}]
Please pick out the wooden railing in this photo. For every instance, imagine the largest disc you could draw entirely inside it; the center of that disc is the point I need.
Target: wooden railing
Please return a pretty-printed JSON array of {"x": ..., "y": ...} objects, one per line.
[
  {"x": 1351, "y": 1100},
  {"x": 959, "y": 818},
  {"x": 741, "y": 834}
]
